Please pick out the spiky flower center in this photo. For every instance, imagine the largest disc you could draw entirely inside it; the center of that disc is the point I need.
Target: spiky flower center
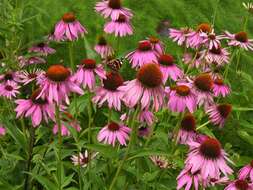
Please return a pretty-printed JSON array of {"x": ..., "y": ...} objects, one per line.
[
  {"x": 182, "y": 90},
  {"x": 144, "y": 46},
  {"x": 41, "y": 45},
  {"x": 150, "y": 75},
  {"x": 166, "y": 59},
  {"x": 241, "y": 184},
  {"x": 219, "y": 81},
  {"x": 188, "y": 123},
  {"x": 8, "y": 88},
  {"x": 89, "y": 63},
  {"x": 204, "y": 82},
  {"x": 114, "y": 4},
  {"x": 212, "y": 36},
  {"x": 32, "y": 75},
  {"x": 8, "y": 76},
  {"x": 36, "y": 100},
  {"x": 113, "y": 126},
  {"x": 113, "y": 81},
  {"x": 102, "y": 41},
  {"x": 204, "y": 27},
  {"x": 57, "y": 73},
  {"x": 154, "y": 40},
  {"x": 122, "y": 18},
  {"x": 241, "y": 36},
  {"x": 224, "y": 110},
  {"x": 216, "y": 51},
  {"x": 210, "y": 148},
  {"x": 69, "y": 17}
]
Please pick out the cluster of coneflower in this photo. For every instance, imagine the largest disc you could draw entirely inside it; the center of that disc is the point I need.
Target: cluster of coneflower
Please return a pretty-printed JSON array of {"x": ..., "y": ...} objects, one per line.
[{"x": 159, "y": 84}]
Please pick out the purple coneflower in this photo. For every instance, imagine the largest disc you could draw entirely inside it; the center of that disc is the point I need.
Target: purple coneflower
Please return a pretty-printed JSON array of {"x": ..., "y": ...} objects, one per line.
[
  {"x": 146, "y": 116},
  {"x": 113, "y": 9},
  {"x": 25, "y": 77},
  {"x": 239, "y": 184},
  {"x": 83, "y": 159},
  {"x": 143, "y": 131},
  {"x": 9, "y": 89},
  {"x": 86, "y": 72},
  {"x": 160, "y": 161},
  {"x": 169, "y": 68},
  {"x": 182, "y": 97},
  {"x": 112, "y": 132},
  {"x": 219, "y": 113},
  {"x": 209, "y": 158},
  {"x": 240, "y": 39},
  {"x": 120, "y": 27},
  {"x": 147, "y": 89},
  {"x": 187, "y": 131},
  {"x": 143, "y": 55},
  {"x": 36, "y": 108},
  {"x": 211, "y": 40},
  {"x": 109, "y": 91},
  {"x": 179, "y": 36},
  {"x": 67, "y": 120},
  {"x": 188, "y": 179},
  {"x": 9, "y": 76},
  {"x": 103, "y": 48},
  {"x": 56, "y": 84},
  {"x": 195, "y": 38},
  {"x": 220, "y": 88},
  {"x": 68, "y": 28},
  {"x": 42, "y": 48},
  {"x": 157, "y": 45},
  {"x": 194, "y": 60},
  {"x": 202, "y": 88},
  {"x": 26, "y": 61},
  {"x": 218, "y": 56},
  {"x": 246, "y": 171}
]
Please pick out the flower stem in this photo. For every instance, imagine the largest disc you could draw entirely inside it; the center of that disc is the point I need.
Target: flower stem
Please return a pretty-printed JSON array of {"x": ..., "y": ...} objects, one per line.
[
  {"x": 203, "y": 125},
  {"x": 131, "y": 142},
  {"x": 58, "y": 122}
]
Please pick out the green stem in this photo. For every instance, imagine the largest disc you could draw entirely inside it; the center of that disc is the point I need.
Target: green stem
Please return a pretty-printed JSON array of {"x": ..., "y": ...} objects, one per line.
[
  {"x": 58, "y": 122},
  {"x": 215, "y": 12},
  {"x": 238, "y": 59},
  {"x": 203, "y": 125},
  {"x": 131, "y": 142}
]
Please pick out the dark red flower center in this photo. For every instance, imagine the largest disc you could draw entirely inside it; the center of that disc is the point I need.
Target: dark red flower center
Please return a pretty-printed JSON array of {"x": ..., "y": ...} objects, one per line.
[
  {"x": 251, "y": 163},
  {"x": 41, "y": 45},
  {"x": 241, "y": 36},
  {"x": 166, "y": 59},
  {"x": 150, "y": 75},
  {"x": 57, "y": 73},
  {"x": 113, "y": 126},
  {"x": 113, "y": 81},
  {"x": 211, "y": 36},
  {"x": 8, "y": 88},
  {"x": 154, "y": 40},
  {"x": 8, "y": 76},
  {"x": 122, "y": 18},
  {"x": 32, "y": 75},
  {"x": 182, "y": 90},
  {"x": 204, "y": 27},
  {"x": 114, "y": 4},
  {"x": 36, "y": 100},
  {"x": 188, "y": 123},
  {"x": 102, "y": 41},
  {"x": 85, "y": 160},
  {"x": 69, "y": 17},
  {"x": 89, "y": 63},
  {"x": 210, "y": 148},
  {"x": 224, "y": 109},
  {"x": 216, "y": 51},
  {"x": 219, "y": 81},
  {"x": 144, "y": 46},
  {"x": 204, "y": 82},
  {"x": 241, "y": 184}
]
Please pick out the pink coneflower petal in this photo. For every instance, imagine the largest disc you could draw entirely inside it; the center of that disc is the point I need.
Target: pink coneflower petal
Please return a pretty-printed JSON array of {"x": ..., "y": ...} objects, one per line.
[{"x": 42, "y": 48}]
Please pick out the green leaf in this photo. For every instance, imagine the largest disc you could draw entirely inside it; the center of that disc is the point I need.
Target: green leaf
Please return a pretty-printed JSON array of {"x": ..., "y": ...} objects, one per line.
[
  {"x": 45, "y": 182},
  {"x": 245, "y": 136},
  {"x": 105, "y": 150},
  {"x": 147, "y": 152}
]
